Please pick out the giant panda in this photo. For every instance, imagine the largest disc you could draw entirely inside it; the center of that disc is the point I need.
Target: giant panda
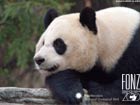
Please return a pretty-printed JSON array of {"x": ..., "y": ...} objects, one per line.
[{"x": 89, "y": 50}]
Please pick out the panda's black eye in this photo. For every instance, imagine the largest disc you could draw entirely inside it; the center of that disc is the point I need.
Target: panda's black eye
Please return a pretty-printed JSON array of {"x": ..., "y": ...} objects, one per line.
[
  {"x": 43, "y": 43},
  {"x": 59, "y": 46}
]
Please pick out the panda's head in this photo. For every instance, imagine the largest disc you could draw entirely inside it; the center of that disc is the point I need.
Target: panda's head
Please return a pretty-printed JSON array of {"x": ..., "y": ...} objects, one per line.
[{"x": 69, "y": 42}]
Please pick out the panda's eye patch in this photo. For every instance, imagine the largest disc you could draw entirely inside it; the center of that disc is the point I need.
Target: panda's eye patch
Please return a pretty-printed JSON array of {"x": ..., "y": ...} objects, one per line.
[{"x": 59, "y": 46}]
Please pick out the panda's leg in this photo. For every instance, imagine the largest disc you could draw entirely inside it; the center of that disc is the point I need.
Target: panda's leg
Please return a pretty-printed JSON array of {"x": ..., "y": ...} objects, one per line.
[
  {"x": 65, "y": 85},
  {"x": 112, "y": 90}
]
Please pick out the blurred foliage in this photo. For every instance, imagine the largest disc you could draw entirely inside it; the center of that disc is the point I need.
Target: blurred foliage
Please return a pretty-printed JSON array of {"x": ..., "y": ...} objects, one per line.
[{"x": 21, "y": 24}]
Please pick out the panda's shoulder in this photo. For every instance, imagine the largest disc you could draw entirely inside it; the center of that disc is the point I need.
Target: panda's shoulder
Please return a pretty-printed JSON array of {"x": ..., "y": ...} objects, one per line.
[{"x": 118, "y": 9}]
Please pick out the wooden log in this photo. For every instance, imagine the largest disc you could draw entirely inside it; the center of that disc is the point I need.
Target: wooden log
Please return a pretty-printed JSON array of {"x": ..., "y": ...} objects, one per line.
[
  {"x": 30, "y": 96},
  {"x": 26, "y": 95}
]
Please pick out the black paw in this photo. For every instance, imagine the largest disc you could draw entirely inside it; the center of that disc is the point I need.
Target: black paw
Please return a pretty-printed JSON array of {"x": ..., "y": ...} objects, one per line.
[
  {"x": 106, "y": 90},
  {"x": 72, "y": 97},
  {"x": 66, "y": 87}
]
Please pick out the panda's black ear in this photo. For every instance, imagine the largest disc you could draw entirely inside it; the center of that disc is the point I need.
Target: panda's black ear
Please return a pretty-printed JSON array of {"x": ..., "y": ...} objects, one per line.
[
  {"x": 50, "y": 15},
  {"x": 88, "y": 18}
]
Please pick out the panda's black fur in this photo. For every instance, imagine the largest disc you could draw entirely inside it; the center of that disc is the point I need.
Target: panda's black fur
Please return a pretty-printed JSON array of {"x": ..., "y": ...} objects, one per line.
[
  {"x": 65, "y": 84},
  {"x": 88, "y": 18},
  {"x": 50, "y": 15}
]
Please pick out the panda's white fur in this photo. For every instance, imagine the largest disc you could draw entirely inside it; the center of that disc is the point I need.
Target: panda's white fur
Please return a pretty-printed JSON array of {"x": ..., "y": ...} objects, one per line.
[{"x": 115, "y": 29}]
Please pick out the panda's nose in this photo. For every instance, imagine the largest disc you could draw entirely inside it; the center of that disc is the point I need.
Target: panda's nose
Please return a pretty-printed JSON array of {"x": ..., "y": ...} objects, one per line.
[{"x": 39, "y": 60}]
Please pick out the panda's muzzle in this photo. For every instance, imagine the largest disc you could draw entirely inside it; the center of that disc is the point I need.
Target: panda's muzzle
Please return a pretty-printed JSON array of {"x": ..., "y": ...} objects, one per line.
[
  {"x": 53, "y": 68},
  {"x": 40, "y": 61}
]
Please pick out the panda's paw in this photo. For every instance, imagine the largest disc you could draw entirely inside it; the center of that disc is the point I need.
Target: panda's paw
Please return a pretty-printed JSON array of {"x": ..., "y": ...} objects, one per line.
[
  {"x": 70, "y": 98},
  {"x": 66, "y": 87}
]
